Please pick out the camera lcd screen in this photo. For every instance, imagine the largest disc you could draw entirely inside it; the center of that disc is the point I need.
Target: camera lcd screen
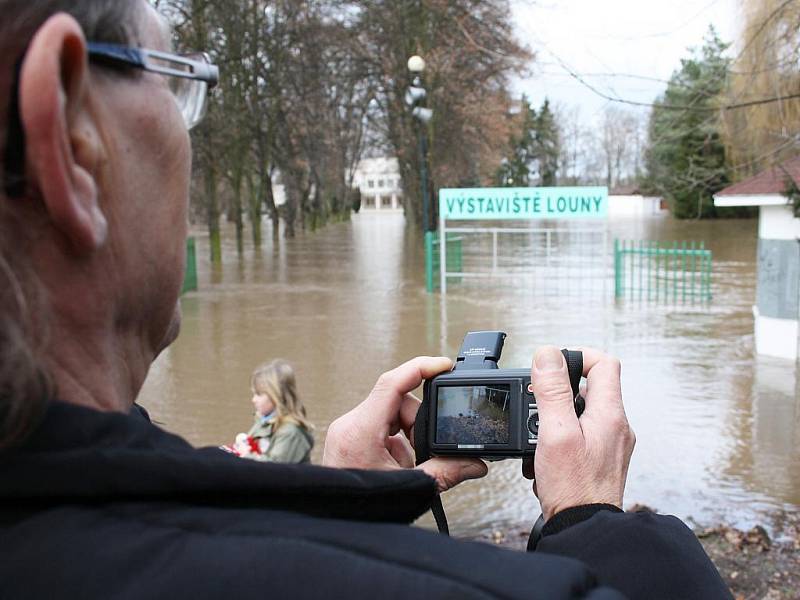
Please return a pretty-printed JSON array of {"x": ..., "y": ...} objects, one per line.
[{"x": 473, "y": 415}]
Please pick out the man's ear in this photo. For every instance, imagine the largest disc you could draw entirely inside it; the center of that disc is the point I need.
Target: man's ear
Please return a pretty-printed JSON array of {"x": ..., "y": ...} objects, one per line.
[{"x": 63, "y": 144}]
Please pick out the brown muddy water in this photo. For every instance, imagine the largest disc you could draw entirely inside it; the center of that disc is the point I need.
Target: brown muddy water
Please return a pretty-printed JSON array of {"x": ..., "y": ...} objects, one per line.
[{"x": 718, "y": 428}]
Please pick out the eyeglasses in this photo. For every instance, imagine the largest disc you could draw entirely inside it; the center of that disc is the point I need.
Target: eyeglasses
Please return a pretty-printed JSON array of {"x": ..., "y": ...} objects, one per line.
[{"x": 191, "y": 76}]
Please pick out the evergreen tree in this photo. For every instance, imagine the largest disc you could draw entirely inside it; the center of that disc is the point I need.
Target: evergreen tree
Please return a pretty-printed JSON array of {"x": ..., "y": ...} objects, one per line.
[
  {"x": 547, "y": 145},
  {"x": 686, "y": 156},
  {"x": 535, "y": 149},
  {"x": 514, "y": 170}
]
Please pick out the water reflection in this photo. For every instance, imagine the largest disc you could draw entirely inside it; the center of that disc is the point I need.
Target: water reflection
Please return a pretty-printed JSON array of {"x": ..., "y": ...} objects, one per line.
[
  {"x": 718, "y": 430},
  {"x": 766, "y": 422}
]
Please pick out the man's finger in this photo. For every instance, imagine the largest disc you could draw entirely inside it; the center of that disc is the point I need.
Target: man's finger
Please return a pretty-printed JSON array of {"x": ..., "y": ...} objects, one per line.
[
  {"x": 591, "y": 356},
  {"x": 603, "y": 391},
  {"x": 409, "y": 408},
  {"x": 602, "y": 374},
  {"x": 386, "y": 397},
  {"x": 449, "y": 472},
  {"x": 401, "y": 450},
  {"x": 553, "y": 393}
]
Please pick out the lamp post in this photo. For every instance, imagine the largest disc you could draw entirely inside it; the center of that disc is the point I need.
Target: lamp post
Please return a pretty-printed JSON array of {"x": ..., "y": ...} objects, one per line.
[{"x": 415, "y": 98}]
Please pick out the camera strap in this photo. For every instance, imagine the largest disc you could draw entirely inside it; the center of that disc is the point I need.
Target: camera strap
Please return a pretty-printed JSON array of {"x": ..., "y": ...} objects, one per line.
[
  {"x": 574, "y": 362},
  {"x": 438, "y": 515}
]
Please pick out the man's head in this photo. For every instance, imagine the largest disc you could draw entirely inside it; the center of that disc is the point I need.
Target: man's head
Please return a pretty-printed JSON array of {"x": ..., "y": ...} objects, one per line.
[{"x": 92, "y": 235}]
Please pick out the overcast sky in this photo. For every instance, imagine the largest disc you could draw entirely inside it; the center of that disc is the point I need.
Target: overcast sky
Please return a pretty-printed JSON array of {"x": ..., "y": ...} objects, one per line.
[{"x": 596, "y": 38}]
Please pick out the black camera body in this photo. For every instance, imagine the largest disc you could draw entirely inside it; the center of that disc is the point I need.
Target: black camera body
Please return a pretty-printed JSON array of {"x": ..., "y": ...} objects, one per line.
[{"x": 480, "y": 410}]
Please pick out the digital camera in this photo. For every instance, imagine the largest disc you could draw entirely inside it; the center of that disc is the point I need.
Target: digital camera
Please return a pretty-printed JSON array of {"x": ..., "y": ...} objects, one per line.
[{"x": 480, "y": 410}]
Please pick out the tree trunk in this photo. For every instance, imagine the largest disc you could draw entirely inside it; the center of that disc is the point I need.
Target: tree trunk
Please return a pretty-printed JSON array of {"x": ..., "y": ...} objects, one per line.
[
  {"x": 212, "y": 213},
  {"x": 254, "y": 208},
  {"x": 269, "y": 198},
  {"x": 238, "y": 217}
]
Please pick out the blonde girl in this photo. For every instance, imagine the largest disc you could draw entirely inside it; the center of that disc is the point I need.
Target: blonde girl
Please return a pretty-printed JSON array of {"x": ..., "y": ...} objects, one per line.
[{"x": 281, "y": 431}]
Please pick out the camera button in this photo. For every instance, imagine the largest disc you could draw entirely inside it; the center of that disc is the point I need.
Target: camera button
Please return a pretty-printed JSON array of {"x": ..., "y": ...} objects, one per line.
[
  {"x": 533, "y": 423},
  {"x": 530, "y": 388}
]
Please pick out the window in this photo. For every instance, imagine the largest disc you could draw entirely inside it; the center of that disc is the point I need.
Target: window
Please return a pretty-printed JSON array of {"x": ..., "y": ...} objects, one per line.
[
  {"x": 380, "y": 183},
  {"x": 370, "y": 183}
]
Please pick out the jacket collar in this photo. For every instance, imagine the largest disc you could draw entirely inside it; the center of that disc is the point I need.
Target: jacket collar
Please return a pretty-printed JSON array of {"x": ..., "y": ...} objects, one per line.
[{"x": 79, "y": 455}]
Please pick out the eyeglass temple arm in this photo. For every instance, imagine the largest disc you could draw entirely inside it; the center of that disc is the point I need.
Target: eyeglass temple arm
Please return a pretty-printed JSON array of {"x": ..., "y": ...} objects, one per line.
[{"x": 138, "y": 57}]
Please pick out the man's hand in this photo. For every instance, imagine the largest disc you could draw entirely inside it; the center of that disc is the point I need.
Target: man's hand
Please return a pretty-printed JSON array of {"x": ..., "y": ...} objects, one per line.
[
  {"x": 579, "y": 461},
  {"x": 378, "y": 433}
]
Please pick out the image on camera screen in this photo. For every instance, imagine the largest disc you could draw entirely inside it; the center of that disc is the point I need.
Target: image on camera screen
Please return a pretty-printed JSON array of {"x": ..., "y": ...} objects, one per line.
[{"x": 473, "y": 415}]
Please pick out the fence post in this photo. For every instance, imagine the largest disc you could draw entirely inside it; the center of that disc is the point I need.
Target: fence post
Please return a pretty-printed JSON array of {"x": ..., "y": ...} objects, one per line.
[
  {"x": 429, "y": 261},
  {"x": 494, "y": 251},
  {"x": 442, "y": 255},
  {"x": 658, "y": 270},
  {"x": 675, "y": 271},
  {"x": 632, "y": 260},
  {"x": 650, "y": 270},
  {"x": 190, "y": 274},
  {"x": 617, "y": 270},
  {"x": 683, "y": 275},
  {"x": 641, "y": 268},
  {"x": 694, "y": 269}
]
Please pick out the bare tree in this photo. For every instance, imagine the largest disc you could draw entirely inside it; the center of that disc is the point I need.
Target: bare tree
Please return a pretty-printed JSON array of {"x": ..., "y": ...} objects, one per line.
[
  {"x": 621, "y": 144},
  {"x": 305, "y": 83}
]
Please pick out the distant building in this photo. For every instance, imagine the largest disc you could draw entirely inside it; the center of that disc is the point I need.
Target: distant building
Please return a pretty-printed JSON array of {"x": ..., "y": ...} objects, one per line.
[
  {"x": 278, "y": 189},
  {"x": 777, "y": 309},
  {"x": 628, "y": 201},
  {"x": 378, "y": 179},
  {"x": 379, "y": 182}
]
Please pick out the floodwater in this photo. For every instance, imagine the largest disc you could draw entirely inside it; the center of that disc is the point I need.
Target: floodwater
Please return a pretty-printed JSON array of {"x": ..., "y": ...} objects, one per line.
[{"x": 718, "y": 428}]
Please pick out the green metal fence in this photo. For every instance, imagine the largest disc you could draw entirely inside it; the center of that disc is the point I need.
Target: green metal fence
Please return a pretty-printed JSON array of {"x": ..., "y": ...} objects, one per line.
[
  {"x": 190, "y": 275},
  {"x": 662, "y": 271},
  {"x": 432, "y": 260}
]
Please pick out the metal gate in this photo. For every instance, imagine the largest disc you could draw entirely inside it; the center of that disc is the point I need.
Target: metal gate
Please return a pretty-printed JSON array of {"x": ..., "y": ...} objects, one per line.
[{"x": 662, "y": 271}]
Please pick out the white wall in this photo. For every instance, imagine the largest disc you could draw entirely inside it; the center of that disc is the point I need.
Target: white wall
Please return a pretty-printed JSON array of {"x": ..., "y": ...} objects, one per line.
[
  {"x": 777, "y": 223},
  {"x": 776, "y": 337},
  {"x": 633, "y": 206},
  {"x": 378, "y": 176}
]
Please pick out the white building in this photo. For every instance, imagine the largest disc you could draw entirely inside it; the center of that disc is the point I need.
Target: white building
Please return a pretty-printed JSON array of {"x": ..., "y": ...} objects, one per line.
[
  {"x": 628, "y": 201},
  {"x": 378, "y": 179},
  {"x": 379, "y": 182},
  {"x": 777, "y": 309}
]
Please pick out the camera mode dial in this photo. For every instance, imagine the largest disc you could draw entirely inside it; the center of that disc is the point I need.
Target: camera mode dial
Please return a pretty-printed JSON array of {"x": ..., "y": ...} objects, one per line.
[{"x": 533, "y": 424}]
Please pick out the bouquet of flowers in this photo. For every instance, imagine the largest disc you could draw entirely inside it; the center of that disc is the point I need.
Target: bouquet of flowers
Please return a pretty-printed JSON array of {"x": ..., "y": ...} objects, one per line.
[{"x": 246, "y": 446}]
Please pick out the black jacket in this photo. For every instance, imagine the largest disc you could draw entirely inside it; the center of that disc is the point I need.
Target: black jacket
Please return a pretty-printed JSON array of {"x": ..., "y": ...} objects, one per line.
[{"x": 106, "y": 505}]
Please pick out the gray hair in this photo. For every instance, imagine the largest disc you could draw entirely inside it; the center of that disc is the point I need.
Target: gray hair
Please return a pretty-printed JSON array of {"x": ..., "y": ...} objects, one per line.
[{"x": 25, "y": 386}]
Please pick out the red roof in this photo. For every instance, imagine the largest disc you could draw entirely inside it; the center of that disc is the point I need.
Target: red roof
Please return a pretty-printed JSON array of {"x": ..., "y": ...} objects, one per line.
[
  {"x": 631, "y": 189},
  {"x": 770, "y": 181}
]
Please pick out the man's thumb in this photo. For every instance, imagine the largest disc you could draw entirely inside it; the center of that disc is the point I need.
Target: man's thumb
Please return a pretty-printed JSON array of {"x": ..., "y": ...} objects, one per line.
[{"x": 449, "y": 472}]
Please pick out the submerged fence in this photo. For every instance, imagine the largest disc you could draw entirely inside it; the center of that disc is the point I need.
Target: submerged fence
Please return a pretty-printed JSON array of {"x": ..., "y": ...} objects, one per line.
[
  {"x": 658, "y": 271},
  {"x": 544, "y": 260},
  {"x": 454, "y": 257}
]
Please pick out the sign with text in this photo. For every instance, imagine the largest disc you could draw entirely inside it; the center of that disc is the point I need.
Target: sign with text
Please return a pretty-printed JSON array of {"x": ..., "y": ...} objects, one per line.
[{"x": 524, "y": 203}]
